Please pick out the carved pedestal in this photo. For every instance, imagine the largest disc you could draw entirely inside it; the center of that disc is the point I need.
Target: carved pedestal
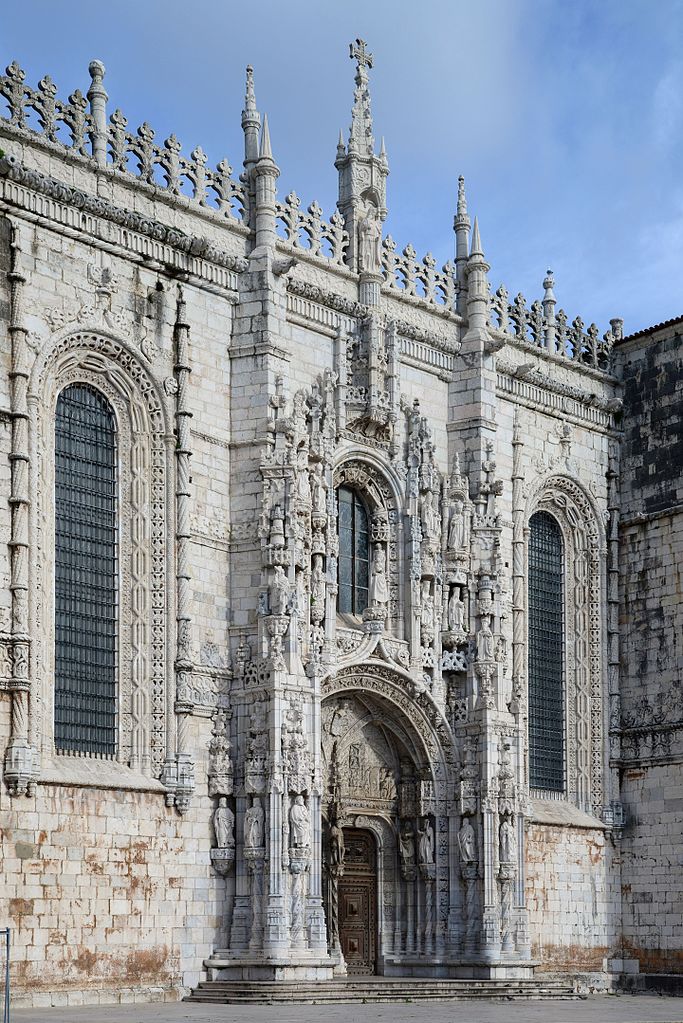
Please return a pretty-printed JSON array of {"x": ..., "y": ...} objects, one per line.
[{"x": 222, "y": 860}]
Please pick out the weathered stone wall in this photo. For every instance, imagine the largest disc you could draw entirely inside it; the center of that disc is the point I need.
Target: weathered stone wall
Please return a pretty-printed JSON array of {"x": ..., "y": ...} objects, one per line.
[
  {"x": 651, "y": 555},
  {"x": 109, "y": 893},
  {"x": 572, "y": 893}
]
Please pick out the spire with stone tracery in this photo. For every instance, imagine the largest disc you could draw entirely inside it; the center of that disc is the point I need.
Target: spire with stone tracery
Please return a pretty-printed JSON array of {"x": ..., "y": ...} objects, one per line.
[{"x": 362, "y": 175}]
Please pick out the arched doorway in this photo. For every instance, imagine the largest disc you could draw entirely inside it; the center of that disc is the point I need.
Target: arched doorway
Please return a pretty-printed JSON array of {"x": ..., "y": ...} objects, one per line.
[{"x": 357, "y": 900}]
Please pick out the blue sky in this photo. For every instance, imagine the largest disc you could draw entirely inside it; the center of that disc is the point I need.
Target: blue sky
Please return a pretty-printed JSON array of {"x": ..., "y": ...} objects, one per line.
[{"x": 565, "y": 116}]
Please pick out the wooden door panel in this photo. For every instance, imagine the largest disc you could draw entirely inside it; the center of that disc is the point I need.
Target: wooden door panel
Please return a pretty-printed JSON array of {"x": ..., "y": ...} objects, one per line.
[{"x": 358, "y": 904}]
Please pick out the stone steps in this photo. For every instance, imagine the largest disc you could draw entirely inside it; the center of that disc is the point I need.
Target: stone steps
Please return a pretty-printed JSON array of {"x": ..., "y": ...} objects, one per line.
[{"x": 377, "y": 989}]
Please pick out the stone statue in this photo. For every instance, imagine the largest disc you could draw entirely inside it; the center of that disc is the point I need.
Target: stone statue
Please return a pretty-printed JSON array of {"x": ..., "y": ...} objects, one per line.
[
  {"x": 224, "y": 825},
  {"x": 253, "y": 826},
  {"x": 485, "y": 647},
  {"x": 456, "y": 611},
  {"x": 319, "y": 490},
  {"x": 279, "y": 593},
  {"x": 379, "y": 588},
  {"x": 508, "y": 842},
  {"x": 337, "y": 846},
  {"x": 370, "y": 231},
  {"x": 407, "y": 846},
  {"x": 430, "y": 517},
  {"x": 317, "y": 589},
  {"x": 456, "y": 529},
  {"x": 303, "y": 488},
  {"x": 425, "y": 850},
  {"x": 300, "y": 824},
  {"x": 467, "y": 842}
]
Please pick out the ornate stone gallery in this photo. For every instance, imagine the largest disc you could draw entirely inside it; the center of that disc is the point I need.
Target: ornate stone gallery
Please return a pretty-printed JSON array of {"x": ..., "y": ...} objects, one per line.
[{"x": 311, "y": 600}]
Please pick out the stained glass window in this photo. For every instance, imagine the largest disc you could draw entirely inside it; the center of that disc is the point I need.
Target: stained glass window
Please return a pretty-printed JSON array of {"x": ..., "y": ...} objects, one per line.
[
  {"x": 546, "y": 654},
  {"x": 354, "y": 553},
  {"x": 86, "y": 569}
]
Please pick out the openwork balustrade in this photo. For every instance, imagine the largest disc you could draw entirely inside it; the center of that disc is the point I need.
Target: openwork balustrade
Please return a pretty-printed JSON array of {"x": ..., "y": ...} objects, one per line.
[
  {"x": 540, "y": 325},
  {"x": 404, "y": 274},
  {"x": 40, "y": 112},
  {"x": 306, "y": 231}
]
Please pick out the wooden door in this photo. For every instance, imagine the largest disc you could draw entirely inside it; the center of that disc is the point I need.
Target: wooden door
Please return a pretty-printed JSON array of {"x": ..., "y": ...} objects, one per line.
[{"x": 358, "y": 902}]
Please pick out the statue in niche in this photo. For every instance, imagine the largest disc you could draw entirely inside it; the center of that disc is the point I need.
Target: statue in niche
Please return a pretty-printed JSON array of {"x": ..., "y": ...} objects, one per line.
[
  {"x": 253, "y": 826},
  {"x": 319, "y": 490},
  {"x": 485, "y": 642},
  {"x": 456, "y": 611},
  {"x": 430, "y": 517},
  {"x": 317, "y": 589},
  {"x": 300, "y": 824},
  {"x": 387, "y": 784},
  {"x": 456, "y": 528},
  {"x": 337, "y": 845},
  {"x": 370, "y": 231},
  {"x": 224, "y": 825},
  {"x": 379, "y": 587},
  {"x": 407, "y": 846},
  {"x": 508, "y": 842},
  {"x": 279, "y": 592},
  {"x": 425, "y": 849},
  {"x": 467, "y": 842},
  {"x": 303, "y": 485}
]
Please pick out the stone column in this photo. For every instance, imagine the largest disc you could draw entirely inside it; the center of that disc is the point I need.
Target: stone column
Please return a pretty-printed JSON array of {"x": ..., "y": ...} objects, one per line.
[
  {"x": 97, "y": 97},
  {"x": 20, "y": 757}
]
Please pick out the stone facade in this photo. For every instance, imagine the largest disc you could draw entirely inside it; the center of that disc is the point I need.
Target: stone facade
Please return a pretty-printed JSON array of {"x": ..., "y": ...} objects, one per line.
[{"x": 258, "y": 357}]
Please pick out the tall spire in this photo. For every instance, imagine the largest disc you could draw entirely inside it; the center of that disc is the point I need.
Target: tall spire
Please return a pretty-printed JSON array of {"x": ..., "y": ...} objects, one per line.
[
  {"x": 251, "y": 121},
  {"x": 362, "y": 173},
  {"x": 475, "y": 248},
  {"x": 461, "y": 226},
  {"x": 360, "y": 134},
  {"x": 265, "y": 150}
]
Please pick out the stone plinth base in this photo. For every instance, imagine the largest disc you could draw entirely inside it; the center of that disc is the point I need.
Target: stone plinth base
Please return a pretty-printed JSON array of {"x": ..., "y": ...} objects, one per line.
[
  {"x": 224, "y": 966},
  {"x": 465, "y": 970}
]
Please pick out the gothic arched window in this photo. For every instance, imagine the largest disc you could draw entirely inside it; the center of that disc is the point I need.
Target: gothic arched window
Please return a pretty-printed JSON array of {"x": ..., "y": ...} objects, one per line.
[
  {"x": 354, "y": 553},
  {"x": 546, "y": 654},
  {"x": 86, "y": 572}
]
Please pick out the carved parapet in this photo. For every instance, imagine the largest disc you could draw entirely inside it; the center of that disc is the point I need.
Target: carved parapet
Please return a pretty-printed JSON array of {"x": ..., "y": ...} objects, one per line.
[{"x": 222, "y": 860}]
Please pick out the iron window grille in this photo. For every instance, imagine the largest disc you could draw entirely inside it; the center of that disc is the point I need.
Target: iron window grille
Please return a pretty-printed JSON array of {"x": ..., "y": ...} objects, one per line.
[
  {"x": 354, "y": 553},
  {"x": 546, "y": 654},
  {"x": 86, "y": 572}
]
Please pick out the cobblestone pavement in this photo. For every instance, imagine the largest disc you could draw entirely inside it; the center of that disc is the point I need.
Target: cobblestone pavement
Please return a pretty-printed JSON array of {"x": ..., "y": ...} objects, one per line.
[{"x": 594, "y": 1009}]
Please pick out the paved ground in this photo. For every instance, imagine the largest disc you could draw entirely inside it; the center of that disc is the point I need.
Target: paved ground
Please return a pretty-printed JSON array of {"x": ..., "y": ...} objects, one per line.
[{"x": 595, "y": 1009}]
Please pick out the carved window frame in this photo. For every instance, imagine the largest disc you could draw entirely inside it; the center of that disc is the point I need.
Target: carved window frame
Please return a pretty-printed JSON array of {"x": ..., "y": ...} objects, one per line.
[
  {"x": 145, "y": 578},
  {"x": 356, "y": 498},
  {"x": 379, "y": 497},
  {"x": 584, "y": 599}
]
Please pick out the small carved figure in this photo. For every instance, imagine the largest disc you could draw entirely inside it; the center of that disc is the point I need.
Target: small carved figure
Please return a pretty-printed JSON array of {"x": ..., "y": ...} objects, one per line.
[
  {"x": 370, "y": 231},
  {"x": 303, "y": 487},
  {"x": 337, "y": 846},
  {"x": 425, "y": 849},
  {"x": 467, "y": 842},
  {"x": 300, "y": 824},
  {"x": 485, "y": 643},
  {"x": 319, "y": 490},
  {"x": 456, "y": 611},
  {"x": 224, "y": 825},
  {"x": 279, "y": 592},
  {"x": 508, "y": 842},
  {"x": 379, "y": 588},
  {"x": 407, "y": 846},
  {"x": 456, "y": 529},
  {"x": 317, "y": 589},
  {"x": 430, "y": 517},
  {"x": 253, "y": 826}
]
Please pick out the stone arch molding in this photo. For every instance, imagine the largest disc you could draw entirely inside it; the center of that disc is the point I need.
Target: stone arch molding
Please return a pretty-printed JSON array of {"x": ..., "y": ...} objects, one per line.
[
  {"x": 584, "y": 550},
  {"x": 145, "y": 465},
  {"x": 418, "y": 713}
]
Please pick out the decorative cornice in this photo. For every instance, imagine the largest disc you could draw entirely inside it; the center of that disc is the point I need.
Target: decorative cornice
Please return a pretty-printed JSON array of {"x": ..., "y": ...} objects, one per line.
[
  {"x": 12, "y": 169},
  {"x": 515, "y": 378}
]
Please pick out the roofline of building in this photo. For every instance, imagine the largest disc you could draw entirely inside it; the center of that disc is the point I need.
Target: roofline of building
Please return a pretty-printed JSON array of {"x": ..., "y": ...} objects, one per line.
[{"x": 675, "y": 322}]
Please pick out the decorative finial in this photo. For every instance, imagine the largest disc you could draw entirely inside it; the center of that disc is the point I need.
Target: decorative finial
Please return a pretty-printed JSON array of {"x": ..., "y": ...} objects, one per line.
[
  {"x": 549, "y": 284},
  {"x": 341, "y": 148},
  {"x": 250, "y": 97},
  {"x": 358, "y": 52},
  {"x": 475, "y": 248},
  {"x": 265, "y": 152},
  {"x": 462, "y": 201}
]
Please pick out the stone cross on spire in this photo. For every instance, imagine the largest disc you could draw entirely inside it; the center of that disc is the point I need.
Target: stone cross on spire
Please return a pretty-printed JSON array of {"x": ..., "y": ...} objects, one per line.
[
  {"x": 360, "y": 136},
  {"x": 359, "y": 53}
]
